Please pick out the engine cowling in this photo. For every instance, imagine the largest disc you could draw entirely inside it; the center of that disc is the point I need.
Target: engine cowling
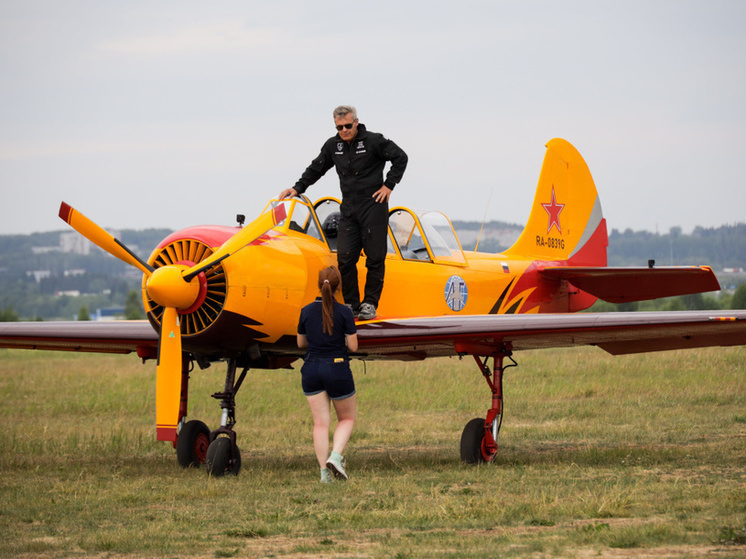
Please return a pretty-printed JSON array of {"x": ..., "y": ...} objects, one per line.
[{"x": 189, "y": 247}]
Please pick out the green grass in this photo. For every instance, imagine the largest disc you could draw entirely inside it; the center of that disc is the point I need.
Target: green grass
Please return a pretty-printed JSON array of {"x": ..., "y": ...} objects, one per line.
[{"x": 599, "y": 456}]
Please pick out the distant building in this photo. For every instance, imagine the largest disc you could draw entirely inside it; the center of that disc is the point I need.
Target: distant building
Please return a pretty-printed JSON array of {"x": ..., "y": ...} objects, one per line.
[
  {"x": 110, "y": 313},
  {"x": 39, "y": 275},
  {"x": 75, "y": 243},
  {"x": 45, "y": 250},
  {"x": 504, "y": 236},
  {"x": 67, "y": 293}
]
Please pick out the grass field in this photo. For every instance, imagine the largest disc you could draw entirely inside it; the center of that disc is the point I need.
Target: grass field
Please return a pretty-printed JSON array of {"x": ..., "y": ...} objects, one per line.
[{"x": 634, "y": 456}]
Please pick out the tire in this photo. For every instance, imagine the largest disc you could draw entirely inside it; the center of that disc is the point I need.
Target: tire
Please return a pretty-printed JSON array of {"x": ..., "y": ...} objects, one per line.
[
  {"x": 218, "y": 461},
  {"x": 192, "y": 444},
  {"x": 471, "y": 441}
]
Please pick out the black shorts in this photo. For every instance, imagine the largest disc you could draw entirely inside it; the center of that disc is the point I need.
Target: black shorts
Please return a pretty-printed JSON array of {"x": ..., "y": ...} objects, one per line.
[{"x": 330, "y": 375}]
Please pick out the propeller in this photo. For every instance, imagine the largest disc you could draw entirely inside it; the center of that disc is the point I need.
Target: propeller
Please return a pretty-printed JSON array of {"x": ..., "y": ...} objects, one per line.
[
  {"x": 175, "y": 287},
  {"x": 98, "y": 236}
]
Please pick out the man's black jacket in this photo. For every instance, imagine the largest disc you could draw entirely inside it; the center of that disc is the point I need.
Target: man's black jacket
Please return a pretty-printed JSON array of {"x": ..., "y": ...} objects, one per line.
[{"x": 359, "y": 165}]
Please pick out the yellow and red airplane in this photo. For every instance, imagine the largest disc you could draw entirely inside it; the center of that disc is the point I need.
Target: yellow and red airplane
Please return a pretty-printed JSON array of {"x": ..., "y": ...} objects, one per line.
[{"x": 217, "y": 293}]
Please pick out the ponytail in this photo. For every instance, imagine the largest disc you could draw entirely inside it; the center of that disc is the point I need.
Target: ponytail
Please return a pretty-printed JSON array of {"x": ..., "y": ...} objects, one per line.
[{"x": 329, "y": 281}]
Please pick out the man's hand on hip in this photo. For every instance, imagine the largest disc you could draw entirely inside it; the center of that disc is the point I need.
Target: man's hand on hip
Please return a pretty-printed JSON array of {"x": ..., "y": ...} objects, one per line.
[{"x": 382, "y": 194}]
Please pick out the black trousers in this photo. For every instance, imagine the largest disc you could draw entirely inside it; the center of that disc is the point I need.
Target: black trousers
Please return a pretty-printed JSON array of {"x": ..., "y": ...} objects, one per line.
[{"x": 363, "y": 225}]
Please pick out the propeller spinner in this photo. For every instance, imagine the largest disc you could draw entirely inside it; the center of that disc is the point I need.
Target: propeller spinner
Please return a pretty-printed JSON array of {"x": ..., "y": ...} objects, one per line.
[{"x": 175, "y": 287}]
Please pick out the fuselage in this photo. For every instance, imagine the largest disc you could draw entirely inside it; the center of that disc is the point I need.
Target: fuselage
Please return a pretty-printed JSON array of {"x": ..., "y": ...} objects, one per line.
[{"x": 254, "y": 298}]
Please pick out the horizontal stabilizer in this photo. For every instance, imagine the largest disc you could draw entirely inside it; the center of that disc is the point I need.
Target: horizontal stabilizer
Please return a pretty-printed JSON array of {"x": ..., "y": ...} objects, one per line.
[{"x": 625, "y": 285}]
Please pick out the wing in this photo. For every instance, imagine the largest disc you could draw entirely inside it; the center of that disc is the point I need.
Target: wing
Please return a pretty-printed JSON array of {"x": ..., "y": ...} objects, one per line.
[
  {"x": 100, "y": 337},
  {"x": 419, "y": 338},
  {"x": 616, "y": 333}
]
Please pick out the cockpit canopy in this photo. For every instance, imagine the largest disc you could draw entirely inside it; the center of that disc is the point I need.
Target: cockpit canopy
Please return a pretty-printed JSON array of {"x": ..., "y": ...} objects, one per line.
[{"x": 425, "y": 236}]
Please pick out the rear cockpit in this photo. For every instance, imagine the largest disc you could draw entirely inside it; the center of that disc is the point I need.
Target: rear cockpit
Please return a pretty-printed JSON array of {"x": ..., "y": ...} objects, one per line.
[{"x": 427, "y": 236}]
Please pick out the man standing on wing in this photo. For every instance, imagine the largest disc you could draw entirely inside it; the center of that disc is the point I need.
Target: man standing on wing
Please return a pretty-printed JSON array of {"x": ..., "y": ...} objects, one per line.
[{"x": 359, "y": 157}]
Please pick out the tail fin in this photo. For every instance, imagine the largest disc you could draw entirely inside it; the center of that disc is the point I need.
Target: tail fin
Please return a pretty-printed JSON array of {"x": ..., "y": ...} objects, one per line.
[{"x": 566, "y": 221}]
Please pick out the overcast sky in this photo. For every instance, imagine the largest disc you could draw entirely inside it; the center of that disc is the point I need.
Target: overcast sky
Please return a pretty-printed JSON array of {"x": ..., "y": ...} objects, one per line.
[{"x": 174, "y": 113}]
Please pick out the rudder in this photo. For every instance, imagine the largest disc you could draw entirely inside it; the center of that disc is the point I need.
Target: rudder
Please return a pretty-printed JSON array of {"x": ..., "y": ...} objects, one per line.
[{"x": 566, "y": 221}]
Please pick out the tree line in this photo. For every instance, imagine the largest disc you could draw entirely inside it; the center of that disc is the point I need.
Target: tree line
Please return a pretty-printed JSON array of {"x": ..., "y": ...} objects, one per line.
[{"x": 108, "y": 282}]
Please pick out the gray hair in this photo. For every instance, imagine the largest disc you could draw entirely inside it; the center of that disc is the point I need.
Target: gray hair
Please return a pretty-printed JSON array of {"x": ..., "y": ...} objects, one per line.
[{"x": 343, "y": 110}]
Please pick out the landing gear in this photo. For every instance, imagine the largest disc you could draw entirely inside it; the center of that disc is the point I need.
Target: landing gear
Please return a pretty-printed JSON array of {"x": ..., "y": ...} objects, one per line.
[
  {"x": 192, "y": 443},
  {"x": 479, "y": 438},
  {"x": 223, "y": 455},
  {"x": 193, "y": 437},
  {"x": 197, "y": 445},
  {"x": 472, "y": 440}
]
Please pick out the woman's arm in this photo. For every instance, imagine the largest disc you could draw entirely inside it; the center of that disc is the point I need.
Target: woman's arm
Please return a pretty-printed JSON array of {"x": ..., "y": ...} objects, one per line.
[
  {"x": 302, "y": 341},
  {"x": 351, "y": 342}
]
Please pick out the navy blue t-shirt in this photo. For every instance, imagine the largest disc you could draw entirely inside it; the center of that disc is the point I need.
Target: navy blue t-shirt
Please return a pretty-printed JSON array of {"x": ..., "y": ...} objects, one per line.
[{"x": 312, "y": 326}]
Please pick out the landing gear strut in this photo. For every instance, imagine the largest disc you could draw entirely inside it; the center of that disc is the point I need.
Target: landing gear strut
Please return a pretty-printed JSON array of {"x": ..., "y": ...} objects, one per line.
[
  {"x": 479, "y": 438},
  {"x": 223, "y": 455}
]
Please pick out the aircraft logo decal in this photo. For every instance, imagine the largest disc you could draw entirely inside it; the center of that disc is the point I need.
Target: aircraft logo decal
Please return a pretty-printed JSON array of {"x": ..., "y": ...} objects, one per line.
[
  {"x": 456, "y": 293},
  {"x": 554, "y": 209}
]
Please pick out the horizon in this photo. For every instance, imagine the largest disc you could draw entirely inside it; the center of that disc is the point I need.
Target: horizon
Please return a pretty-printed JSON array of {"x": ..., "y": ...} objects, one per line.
[{"x": 112, "y": 230}]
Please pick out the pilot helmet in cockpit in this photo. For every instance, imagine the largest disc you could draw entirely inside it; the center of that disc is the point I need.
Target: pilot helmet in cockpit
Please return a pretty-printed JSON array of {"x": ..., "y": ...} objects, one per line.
[{"x": 331, "y": 225}]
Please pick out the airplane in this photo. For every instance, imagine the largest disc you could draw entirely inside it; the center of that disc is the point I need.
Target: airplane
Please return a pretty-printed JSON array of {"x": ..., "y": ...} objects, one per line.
[{"x": 234, "y": 294}]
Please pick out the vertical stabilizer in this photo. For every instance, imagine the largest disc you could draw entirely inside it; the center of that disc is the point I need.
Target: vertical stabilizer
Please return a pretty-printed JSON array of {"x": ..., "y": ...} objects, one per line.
[{"x": 566, "y": 222}]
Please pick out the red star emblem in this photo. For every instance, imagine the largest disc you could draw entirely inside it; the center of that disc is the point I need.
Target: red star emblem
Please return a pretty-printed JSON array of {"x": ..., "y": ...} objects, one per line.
[{"x": 554, "y": 210}]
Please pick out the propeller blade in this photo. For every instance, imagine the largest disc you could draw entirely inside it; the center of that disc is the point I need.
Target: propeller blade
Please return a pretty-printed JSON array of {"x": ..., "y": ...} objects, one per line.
[
  {"x": 168, "y": 376},
  {"x": 251, "y": 232},
  {"x": 101, "y": 238}
]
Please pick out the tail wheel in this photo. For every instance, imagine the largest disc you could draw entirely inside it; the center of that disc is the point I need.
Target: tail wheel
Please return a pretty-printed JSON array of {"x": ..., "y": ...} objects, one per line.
[
  {"x": 219, "y": 458},
  {"x": 193, "y": 321},
  {"x": 473, "y": 448},
  {"x": 192, "y": 444}
]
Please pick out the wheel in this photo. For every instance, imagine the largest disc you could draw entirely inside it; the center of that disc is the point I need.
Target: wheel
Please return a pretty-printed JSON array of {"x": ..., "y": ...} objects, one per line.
[
  {"x": 192, "y": 443},
  {"x": 471, "y": 442},
  {"x": 218, "y": 460}
]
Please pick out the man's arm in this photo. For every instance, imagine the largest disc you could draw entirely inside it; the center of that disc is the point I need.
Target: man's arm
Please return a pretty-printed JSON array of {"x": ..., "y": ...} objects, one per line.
[
  {"x": 393, "y": 153},
  {"x": 313, "y": 173}
]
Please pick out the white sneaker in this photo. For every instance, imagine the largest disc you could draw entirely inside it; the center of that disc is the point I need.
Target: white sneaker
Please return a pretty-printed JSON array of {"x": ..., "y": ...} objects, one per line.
[
  {"x": 367, "y": 312},
  {"x": 336, "y": 465}
]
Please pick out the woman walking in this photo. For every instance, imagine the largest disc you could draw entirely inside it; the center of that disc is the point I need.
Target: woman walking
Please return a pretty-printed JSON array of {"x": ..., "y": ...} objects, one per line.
[{"x": 327, "y": 328}]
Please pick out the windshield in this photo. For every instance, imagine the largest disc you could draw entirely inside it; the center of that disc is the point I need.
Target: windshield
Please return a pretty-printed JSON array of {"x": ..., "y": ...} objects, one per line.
[
  {"x": 442, "y": 238},
  {"x": 299, "y": 217}
]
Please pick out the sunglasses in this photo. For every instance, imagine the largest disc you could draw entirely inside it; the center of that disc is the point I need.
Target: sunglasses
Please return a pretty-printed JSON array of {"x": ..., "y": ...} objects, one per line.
[{"x": 347, "y": 126}]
